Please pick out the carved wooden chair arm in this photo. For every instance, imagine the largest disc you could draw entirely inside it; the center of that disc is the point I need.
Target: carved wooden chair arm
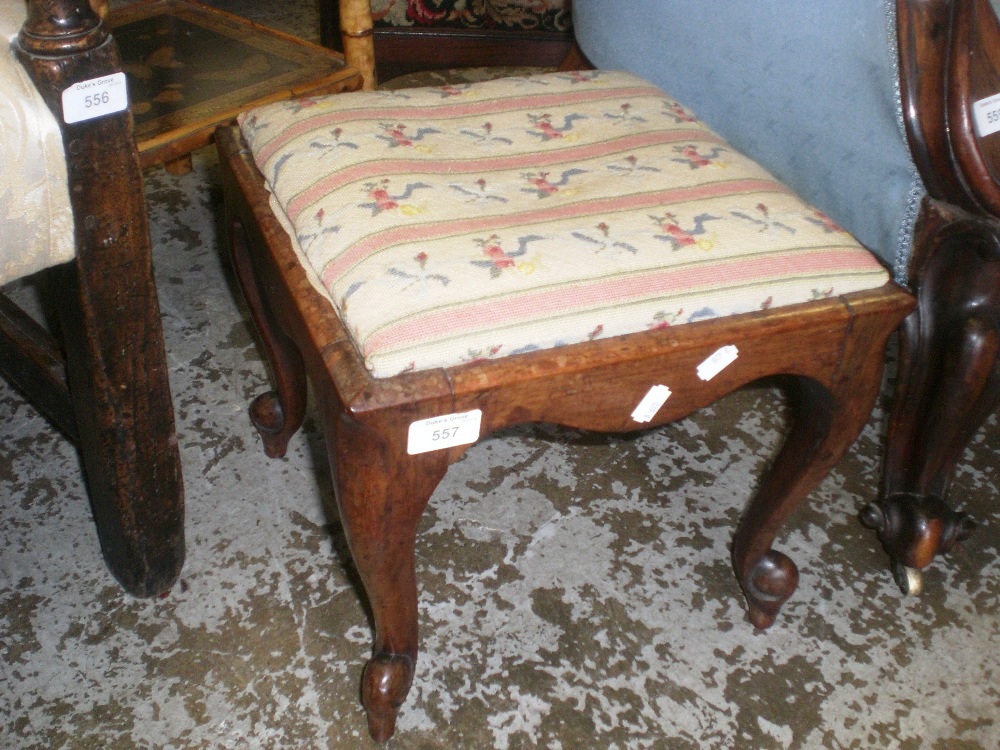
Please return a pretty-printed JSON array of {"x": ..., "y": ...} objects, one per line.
[{"x": 949, "y": 75}]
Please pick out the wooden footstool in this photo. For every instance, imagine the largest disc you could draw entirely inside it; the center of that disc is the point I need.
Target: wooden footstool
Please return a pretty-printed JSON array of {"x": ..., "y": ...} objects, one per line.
[
  {"x": 573, "y": 248},
  {"x": 191, "y": 68}
]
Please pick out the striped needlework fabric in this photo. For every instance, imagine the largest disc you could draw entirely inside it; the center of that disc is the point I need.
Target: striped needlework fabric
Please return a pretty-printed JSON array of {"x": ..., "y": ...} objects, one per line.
[{"x": 454, "y": 224}]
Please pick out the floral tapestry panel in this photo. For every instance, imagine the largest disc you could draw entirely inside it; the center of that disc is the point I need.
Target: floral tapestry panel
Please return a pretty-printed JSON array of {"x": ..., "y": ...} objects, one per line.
[
  {"x": 452, "y": 224},
  {"x": 533, "y": 15}
]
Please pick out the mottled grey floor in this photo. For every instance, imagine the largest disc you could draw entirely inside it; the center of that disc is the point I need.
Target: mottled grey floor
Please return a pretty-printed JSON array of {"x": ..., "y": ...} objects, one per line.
[{"x": 575, "y": 589}]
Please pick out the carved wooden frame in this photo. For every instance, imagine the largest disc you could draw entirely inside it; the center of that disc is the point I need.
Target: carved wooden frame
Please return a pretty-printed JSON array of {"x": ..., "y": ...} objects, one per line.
[{"x": 949, "y": 380}]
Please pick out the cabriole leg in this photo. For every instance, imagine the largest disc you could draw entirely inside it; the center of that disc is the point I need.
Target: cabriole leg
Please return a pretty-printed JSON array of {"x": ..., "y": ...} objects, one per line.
[
  {"x": 278, "y": 414},
  {"x": 826, "y": 423},
  {"x": 381, "y": 495},
  {"x": 948, "y": 384},
  {"x": 768, "y": 577}
]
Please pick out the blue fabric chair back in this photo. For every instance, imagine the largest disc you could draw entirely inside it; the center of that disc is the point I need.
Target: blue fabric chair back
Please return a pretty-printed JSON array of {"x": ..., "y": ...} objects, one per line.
[{"x": 809, "y": 90}]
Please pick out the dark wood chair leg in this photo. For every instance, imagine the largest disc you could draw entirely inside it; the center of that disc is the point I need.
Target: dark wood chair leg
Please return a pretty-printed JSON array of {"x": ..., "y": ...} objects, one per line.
[
  {"x": 109, "y": 313},
  {"x": 279, "y": 414},
  {"x": 381, "y": 495},
  {"x": 124, "y": 422},
  {"x": 948, "y": 384}
]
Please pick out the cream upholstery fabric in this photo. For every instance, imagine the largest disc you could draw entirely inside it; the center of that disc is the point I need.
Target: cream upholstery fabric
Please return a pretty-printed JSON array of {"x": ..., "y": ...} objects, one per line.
[
  {"x": 36, "y": 225},
  {"x": 457, "y": 223}
]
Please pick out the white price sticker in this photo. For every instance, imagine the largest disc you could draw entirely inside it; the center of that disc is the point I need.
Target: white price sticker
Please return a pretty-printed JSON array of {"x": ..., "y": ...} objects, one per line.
[
  {"x": 986, "y": 113},
  {"x": 717, "y": 362},
  {"x": 445, "y": 431},
  {"x": 95, "y": 98},
  {"x": 651, "y": 403}
]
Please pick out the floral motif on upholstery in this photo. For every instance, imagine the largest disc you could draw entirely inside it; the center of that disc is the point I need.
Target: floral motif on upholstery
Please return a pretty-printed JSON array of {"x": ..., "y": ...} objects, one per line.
[
  {"x": 528, "y": 213},
  {"x": 36, "y": 224},
  {"x": 534, "y": 15}
]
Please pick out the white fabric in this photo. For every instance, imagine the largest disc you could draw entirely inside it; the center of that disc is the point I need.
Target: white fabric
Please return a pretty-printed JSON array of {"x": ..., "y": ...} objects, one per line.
[{"x": 36, "y": 224}]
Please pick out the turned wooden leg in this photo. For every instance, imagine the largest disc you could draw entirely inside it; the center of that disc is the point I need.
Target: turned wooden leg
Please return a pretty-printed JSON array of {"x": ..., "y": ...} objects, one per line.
[
  {"x": 278, "y": 414},
  {"x": 381, "y": 494},
  {"x": 948, "y": 384}
]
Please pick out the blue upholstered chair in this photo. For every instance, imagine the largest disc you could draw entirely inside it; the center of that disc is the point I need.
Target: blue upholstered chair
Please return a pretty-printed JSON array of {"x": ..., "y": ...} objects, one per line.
[{"x": 888, "y": 128}]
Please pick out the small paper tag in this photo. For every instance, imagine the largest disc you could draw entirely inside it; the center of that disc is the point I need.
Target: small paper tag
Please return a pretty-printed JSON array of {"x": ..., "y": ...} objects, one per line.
[
  {"x": 445, "y": 431},
  {"x": 986, "y": 113},
  {"x": 717, "y": 362},
  {"x": 651, "y": 403},
  {"x": 95, "y": 98}
]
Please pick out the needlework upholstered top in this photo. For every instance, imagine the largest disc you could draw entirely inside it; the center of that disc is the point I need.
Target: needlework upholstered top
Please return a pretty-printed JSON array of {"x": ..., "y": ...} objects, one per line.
[
  {"x": 543, "y": 15},
  {"x": 452, "y": 224}
]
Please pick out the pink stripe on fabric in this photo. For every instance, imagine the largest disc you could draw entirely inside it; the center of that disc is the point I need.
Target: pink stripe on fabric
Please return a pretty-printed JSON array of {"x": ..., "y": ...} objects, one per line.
[
  {"x": 422, "y": 233},
  {"x": 447, "y": 110},
  {"x": 535, "y": 159},
  {"x": 603, "y": 293}
]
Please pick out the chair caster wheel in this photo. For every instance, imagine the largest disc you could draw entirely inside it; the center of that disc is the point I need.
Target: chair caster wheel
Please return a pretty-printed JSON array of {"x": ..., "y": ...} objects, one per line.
[{"x": 909, "y": 580}]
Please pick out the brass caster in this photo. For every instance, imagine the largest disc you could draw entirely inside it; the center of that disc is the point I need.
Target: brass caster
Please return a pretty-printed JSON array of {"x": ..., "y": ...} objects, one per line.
[{"x": 909, "y": 580}]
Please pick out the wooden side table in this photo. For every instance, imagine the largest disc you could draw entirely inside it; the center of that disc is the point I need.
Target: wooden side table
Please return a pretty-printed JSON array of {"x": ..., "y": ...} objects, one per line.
[{"x": 191, "y": 67}]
